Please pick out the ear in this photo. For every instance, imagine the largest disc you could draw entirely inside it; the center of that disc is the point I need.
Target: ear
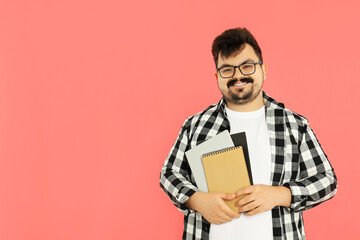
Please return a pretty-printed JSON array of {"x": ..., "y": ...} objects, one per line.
[
  {"x": 216, "y": 75},
  {"x": 264, "y": 68}
]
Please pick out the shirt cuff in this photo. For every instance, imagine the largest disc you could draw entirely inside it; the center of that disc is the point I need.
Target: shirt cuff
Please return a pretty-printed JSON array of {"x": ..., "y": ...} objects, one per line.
[{"x": 298, "y": 196}]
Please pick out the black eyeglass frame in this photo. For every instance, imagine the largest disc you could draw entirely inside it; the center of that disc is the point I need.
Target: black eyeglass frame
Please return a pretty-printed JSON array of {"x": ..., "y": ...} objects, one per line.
[{"x": 239, "y": 69}]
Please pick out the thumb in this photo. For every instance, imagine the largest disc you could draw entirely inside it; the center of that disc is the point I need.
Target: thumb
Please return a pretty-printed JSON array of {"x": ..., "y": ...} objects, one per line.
[{"x": 227, "y": 196}]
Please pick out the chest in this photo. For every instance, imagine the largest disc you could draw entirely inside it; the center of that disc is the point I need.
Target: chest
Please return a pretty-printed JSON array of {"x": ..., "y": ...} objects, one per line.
[{"x": 283, "y": 145}]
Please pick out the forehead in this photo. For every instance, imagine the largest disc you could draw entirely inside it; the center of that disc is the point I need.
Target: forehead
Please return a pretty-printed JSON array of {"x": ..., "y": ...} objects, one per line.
[{"x": 243, "y": 54}]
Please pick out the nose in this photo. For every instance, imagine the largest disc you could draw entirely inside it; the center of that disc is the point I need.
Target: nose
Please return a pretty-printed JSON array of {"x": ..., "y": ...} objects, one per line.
[{"x": 238, "y": 73}]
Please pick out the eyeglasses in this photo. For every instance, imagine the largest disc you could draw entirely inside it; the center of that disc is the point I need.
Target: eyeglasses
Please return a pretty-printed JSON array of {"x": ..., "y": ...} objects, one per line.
[{"x": 245, "y": 69}]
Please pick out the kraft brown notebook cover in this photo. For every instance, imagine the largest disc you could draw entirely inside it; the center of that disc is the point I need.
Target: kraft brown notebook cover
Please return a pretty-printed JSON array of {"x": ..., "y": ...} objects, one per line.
[{"x": 226, "y": 172}]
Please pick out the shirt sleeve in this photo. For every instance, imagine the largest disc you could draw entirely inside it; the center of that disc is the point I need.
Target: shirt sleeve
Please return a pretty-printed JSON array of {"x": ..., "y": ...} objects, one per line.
[
  {"x": 174, "y": 175},
  {"x": 318, "y": 181}
]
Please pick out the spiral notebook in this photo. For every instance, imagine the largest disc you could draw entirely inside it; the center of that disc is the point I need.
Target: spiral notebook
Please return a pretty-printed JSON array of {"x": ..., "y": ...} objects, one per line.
[
  {"x": 226, "y": 172},
  {"x": 220, "y": 141}
]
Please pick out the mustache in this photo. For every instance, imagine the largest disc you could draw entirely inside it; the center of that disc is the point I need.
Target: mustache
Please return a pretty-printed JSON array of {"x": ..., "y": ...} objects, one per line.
[{"x": 245, "y": 80}]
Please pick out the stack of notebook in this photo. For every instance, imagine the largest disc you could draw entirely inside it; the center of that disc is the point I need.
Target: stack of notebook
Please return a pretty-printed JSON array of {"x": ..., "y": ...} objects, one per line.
[{"x": 221, "y": 164}]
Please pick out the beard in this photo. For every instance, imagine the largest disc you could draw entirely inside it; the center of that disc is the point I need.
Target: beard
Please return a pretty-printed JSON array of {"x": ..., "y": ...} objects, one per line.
[{"x": 244, "y": 95}]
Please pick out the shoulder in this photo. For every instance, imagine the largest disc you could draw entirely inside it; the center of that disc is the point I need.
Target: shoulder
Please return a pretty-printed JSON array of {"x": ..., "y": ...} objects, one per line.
[
  {"x": 292, "y": 119},
  {"x": 207, "y": 115}
]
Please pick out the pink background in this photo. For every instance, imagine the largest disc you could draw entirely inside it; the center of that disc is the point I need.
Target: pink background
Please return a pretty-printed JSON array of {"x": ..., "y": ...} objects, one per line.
[{"x": 93, "y": 94}]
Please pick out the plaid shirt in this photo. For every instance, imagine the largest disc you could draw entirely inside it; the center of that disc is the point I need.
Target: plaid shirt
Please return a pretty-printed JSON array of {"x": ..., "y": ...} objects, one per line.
[{"x": 298, "y": 162}]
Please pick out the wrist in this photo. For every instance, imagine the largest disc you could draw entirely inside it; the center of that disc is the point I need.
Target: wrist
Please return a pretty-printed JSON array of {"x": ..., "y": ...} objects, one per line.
[
  {"x": 192, "y": 201},
  {"x": 284, "y": 196}
]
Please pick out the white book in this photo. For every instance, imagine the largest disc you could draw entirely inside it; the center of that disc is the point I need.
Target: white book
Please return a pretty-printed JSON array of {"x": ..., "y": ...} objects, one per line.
[{"x": 218, "y": 142}]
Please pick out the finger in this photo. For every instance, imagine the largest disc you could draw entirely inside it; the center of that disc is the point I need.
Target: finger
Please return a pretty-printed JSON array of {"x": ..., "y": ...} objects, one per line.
[
  {"x": 255, "y": 211},
  {"x": 217, "y": 220},
  {"x": 224, "y": 208},
  {"x": 249, "y": 207},
  {"x": 227, "y": 196},
  {"x": 233, "y": 214},
  {"x": 245, "y": 200},
  {"x": 244, "y": 190},
  {"x": 229, "y": 212},
  {"x": 225, "y": 218},
  {"x": 221, "y": 218}
]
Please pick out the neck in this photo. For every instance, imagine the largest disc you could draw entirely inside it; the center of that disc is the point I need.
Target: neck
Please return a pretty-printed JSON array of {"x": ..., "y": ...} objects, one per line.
[{"x": 254, "y": 105}]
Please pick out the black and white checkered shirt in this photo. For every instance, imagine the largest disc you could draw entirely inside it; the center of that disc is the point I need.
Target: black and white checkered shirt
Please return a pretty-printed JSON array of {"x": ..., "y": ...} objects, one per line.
[{"x": 298, "y": 162}]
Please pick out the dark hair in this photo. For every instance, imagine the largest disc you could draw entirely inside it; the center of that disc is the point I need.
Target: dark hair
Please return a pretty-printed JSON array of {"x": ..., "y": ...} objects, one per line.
[{"x": 230, "y": 42}]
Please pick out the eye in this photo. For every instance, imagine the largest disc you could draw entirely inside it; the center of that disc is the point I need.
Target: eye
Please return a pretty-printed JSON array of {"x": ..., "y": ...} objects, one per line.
[{"x": 227, "y": 69}]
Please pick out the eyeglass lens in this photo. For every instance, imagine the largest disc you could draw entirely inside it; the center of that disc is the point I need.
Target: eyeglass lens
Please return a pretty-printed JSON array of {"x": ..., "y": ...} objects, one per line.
[{"x": 246, "y": 69}]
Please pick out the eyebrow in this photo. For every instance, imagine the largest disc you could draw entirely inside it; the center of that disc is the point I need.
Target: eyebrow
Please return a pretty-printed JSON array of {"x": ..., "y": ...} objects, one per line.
[{"x": 228, "y": 65}]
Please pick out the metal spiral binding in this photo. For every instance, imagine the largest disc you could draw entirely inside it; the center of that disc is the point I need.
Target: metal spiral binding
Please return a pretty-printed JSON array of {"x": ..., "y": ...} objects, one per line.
[{"x": 219, "y": 151}]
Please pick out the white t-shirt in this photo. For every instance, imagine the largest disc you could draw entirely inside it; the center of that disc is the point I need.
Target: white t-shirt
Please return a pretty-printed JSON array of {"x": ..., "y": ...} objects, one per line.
[{"x": 258, "y": 226}]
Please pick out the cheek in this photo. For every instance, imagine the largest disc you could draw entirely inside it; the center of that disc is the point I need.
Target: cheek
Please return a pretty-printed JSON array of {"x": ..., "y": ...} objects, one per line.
[
  {"x": 222, "y": 86},
  {"x": 258, "y": 80}
]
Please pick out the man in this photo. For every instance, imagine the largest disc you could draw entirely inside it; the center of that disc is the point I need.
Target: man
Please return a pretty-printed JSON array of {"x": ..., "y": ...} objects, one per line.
[{"x": 291, "y": 173}]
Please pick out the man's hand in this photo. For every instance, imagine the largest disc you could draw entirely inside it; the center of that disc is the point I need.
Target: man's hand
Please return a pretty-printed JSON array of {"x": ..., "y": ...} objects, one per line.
[
  {"x": 261, "y": 198},
  {"x": 212, "y": 206}
]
